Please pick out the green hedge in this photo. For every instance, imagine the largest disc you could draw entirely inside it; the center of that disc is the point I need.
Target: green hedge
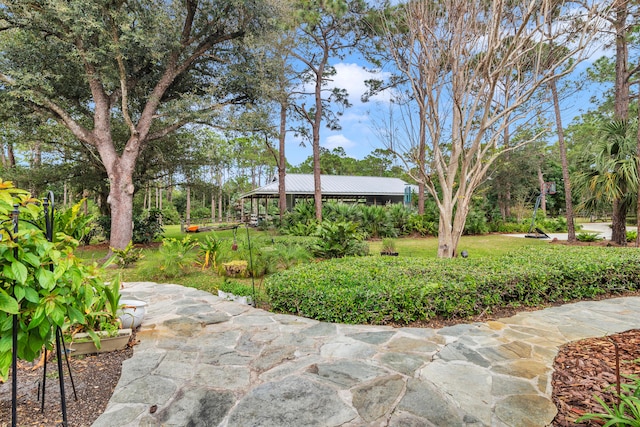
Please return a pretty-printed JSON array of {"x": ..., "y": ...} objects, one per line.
[{"x": 379, "y": 290}]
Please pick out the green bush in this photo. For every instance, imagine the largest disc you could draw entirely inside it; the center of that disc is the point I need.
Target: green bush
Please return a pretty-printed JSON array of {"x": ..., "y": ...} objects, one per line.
[
  {"x": 381, "y": 290},
  {"x": 175, "y": 257},
  {"x": 424, "y": 225},
  {"x": 339, "y": 239},
  {"x": 588, "y": 237},
  {"x": 632, "y": 236},
  {"x": 627, "y": 410},
  {"x": 147, "y": 227},
  {"x": 476, "y": 222}
]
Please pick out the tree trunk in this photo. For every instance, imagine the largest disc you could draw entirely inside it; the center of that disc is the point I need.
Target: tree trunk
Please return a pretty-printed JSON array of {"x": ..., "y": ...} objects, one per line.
[
  {"x": 188, "y": 210},
  {"x": 543, "y": 192},
  {"x": 449, "y": 233},
  {"x": 638, "y": 169},
  {"x": 618, "y": 223},
  {"x": 11, "y": 158},
  {"x": 121, "y": 202},
  {"x": 282, "y": 162},
  {"x": 621, "y": 105},
  {"x": 571, "y": 229}
]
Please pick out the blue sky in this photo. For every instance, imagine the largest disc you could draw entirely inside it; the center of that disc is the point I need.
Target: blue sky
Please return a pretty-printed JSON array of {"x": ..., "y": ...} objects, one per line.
[{"x": 358, "y": 136}]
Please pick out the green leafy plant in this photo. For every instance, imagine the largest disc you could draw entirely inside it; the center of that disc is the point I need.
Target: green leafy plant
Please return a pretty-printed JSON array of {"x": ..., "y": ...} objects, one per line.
[
  {"x": 388, "y": 246},
  {"x": 173, "y": 258},
  {"x": 627, "y": 410},
  {"x": 127, "y": 256},
  {"x": 210, "y": 251},
  {"x": 632, "y": 236},
  {"x": 236, "y": 288},
  {"x": 337, "y": 240},
  {"x": 380, "y": 290},
  {"x": 588, "y": 237},
  {"x": 147, "y": 227},
  {"x": 43, "y": 283}
]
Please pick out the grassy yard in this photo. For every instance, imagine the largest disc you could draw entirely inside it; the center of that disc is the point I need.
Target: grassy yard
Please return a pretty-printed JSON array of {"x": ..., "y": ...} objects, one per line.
[{"x": 486, "y": 246}]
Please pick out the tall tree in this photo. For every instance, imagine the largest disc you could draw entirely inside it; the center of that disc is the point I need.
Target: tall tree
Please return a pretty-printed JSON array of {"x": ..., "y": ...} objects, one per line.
[
  {"x": 326, "y": 29},
  {"x": 453, "y": 54},
  {"x": 152, "y": 65}
]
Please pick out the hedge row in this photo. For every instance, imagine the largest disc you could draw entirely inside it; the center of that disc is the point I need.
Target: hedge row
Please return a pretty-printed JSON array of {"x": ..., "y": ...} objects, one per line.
[{"x": 380, "y": 290}]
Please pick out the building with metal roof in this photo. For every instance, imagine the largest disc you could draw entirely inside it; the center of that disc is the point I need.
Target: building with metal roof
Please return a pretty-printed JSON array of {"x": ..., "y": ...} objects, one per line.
[{"x": 371, "y": 190}]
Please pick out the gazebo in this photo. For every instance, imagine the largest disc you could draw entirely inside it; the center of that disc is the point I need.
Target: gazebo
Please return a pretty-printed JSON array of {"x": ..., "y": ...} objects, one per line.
[{"x": 371, "y": 190}]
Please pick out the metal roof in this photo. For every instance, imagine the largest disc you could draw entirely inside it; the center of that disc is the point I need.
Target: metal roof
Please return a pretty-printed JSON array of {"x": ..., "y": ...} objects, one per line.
[{"x": 335, "y": 185}]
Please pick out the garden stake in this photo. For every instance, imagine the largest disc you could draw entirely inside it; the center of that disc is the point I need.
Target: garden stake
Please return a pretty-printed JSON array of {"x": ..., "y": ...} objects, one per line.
[
  {"x": 49, "y": 217},
  {"x": 63, "y": 399},
  {"x": 253, "y": 283},
  {"x": 14, "y": 356}
]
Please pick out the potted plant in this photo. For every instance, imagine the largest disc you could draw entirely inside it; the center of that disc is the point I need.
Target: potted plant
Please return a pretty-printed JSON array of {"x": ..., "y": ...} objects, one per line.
[
  {"x": 388, "y": 247},
  {"x": 102, "y": 330},
  {"x": 237, "y": 292}
]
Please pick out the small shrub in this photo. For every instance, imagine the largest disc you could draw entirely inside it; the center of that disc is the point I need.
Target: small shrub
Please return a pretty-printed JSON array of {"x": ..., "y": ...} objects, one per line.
[
  {"x": 127, "y": 256},
  {"x": 588, "y": 237},
  {"x": 423, "y": 225},
  {"x": 625, "y": 413},
  {"x": 388, "y": 246},
  {"x": 632, "y": 236},
  {"x": 337, "y": 240},
  {"x": 476, "y": 222},
  {"x": 381, "y": 290},
  {"x": 210, "y": 251},
  {"x": 172, "y": 259},
  {"x": 147, "y": 227}
]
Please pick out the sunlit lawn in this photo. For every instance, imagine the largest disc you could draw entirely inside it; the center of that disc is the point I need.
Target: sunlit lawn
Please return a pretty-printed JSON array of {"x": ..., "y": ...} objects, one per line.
[{"x": 491, "y": 245}]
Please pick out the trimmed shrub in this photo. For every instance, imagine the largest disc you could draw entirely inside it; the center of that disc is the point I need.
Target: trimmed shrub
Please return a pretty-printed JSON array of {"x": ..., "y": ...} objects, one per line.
[{"x": 381, "y": 290}]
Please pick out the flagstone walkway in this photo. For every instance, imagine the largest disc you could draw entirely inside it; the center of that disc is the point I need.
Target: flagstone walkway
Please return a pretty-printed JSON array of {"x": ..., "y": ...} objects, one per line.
[{"x": 204, "y": 361}]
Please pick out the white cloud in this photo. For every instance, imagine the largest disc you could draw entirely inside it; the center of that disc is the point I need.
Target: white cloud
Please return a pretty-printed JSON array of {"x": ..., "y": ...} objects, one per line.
[
  {"x": 351, "y": 77},
  {"x": 335, "y": 141}
]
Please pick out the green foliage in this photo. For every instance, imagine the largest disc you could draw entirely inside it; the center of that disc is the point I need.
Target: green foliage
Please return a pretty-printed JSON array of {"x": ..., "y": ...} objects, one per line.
[
  {"x": 588, "y": 237},
  {"x": 43, "y": 283},
  {"x": 476, "y": 222},
  {"x": 337, "y": 240},
  {"x": 381, "y": 290},
  {"x": 237, "y": 288},
  {"x": 632, "y": 236},
  {"x": 388, "y": 245},
  {"x": 127, "y": 256},
  {"x": 147, "y": 227},
  {"x": 170, "y": 215},
  {"x": 73, "y": 222},
  {"x": 210, "y": 251},
  {"x": 424, "y": 225},
  {"x": 376, "y": 222},
  {"x": 625, "y": 413},
  {"x": 173, "y": 258}
]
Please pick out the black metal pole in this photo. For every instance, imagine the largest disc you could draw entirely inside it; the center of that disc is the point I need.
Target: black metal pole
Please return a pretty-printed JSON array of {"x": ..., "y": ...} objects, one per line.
[
  {"x": 66, "y": 357},
  {"x": 44, "y": 381},
  {"x": 63, "y": 398},
  {"x": 14, "y": 357},
  {"x": 253, "y": 284}
]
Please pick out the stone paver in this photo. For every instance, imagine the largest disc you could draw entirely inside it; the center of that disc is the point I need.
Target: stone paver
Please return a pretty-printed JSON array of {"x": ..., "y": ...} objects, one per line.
[{"x": 208, "y": 362}]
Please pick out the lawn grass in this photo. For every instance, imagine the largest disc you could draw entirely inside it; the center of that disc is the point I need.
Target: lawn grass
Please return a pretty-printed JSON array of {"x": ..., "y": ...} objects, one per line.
[{"x": 491, "y": 245}]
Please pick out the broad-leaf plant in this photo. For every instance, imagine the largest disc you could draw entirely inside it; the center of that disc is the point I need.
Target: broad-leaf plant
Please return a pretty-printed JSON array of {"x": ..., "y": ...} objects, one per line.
[{"x": 44, "y": 283}]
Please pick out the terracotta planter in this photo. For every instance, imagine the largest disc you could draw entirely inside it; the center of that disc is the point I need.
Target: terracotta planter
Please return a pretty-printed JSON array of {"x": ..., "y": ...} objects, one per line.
[{"x": 106, "y": 344}]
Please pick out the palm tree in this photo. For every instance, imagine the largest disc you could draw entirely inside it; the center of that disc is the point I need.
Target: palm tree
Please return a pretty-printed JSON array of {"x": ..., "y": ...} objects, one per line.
[{"x": 611, "y": 175}]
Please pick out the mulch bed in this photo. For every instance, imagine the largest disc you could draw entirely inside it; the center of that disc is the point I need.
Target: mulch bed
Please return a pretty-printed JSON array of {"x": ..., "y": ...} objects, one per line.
[
  {"x": 95, "y": 378},
  {"x": 588, "y": 367}
]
